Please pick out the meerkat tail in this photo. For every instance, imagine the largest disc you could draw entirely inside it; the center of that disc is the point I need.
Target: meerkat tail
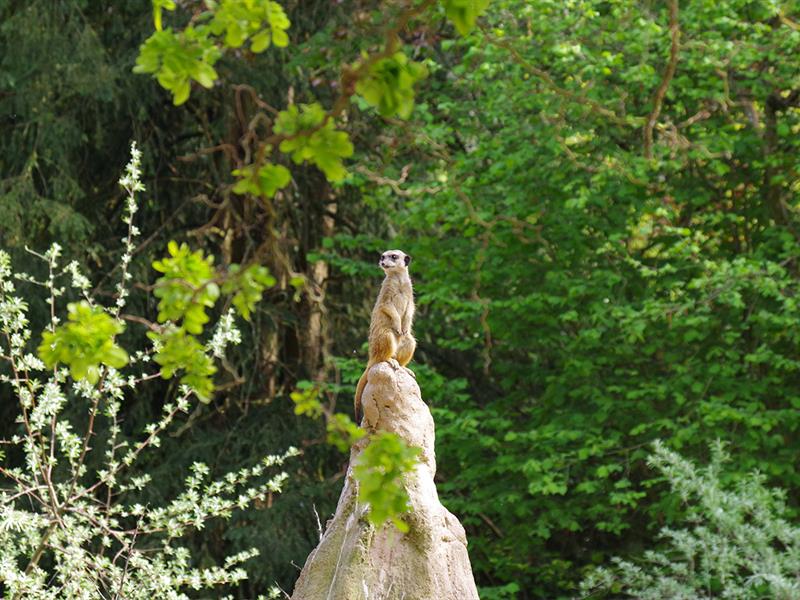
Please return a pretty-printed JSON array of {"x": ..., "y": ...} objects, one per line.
[{"x": 362, "y": 383}]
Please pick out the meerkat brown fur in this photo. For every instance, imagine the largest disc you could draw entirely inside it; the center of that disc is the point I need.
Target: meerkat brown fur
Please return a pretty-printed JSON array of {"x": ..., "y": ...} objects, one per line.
[{"x": 390, "y": 338}]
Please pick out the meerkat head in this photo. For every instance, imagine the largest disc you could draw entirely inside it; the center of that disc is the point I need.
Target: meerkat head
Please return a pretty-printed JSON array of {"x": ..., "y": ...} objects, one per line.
[{"x": 394, "y": 261}]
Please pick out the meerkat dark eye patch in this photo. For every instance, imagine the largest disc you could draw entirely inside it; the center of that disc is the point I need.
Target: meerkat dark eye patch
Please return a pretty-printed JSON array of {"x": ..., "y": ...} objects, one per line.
[
  {"x": 394, "y": 256},
  {"x": 407, "y": 259}
]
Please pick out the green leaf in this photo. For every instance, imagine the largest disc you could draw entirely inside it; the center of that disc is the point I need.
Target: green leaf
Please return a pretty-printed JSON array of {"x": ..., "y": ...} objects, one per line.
[
  {"x": 279, "y": 23},
  {"x": 265, "y": 182},
  {"x": 204, "y": 74},
  {"x": 314, "y": 139},
  {"x": 272, "y": 178},
  {"x": 327, "y": 147},
  {"x": 263, "y": 22},
  {"x": 379, "y": 470},
  {"x": 180, "y": 92},
  {"x": 280, "y": 38},
  {"x": 84, "y": 343},
  {"x": 260, "y": 42},
  {"x": 248, "y": 286},
  {"x": 306, "y": 402},
  {"x": 176, "y": 58},
  {"x": 295, "y": 120},
  {"x": 464, "y": 13},
  {"x": 180, "y": 351},
  {"x": 342, "y": 432},
  {"x": 389, "y": 85},
  {"x": 187, "y": 287}
]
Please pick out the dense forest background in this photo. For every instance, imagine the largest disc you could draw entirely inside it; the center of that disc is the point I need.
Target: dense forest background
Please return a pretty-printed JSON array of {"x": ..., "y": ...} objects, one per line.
[{"x": 601, "y": 202}]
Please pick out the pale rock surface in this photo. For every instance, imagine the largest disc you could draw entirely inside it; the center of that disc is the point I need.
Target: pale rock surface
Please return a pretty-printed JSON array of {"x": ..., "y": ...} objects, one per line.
[{"x": 353, "y": 560}]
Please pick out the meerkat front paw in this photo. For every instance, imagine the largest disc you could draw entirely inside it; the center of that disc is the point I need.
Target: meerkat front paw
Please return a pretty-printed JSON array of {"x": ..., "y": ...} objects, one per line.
[
  {"x": 395, "y": 365},
  {"x": 410, "y": 372}
]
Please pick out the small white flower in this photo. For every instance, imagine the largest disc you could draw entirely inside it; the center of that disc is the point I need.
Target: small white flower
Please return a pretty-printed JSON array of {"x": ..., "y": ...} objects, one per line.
[{"x": 225, "y": 333}]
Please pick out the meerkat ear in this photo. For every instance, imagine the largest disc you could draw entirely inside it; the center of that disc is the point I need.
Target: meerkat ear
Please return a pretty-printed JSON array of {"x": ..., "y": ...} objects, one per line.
[{"x": 407, "y": 259}]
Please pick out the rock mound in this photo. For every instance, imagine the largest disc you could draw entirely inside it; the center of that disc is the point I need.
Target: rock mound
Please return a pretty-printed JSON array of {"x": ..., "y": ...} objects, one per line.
[{"x": 353, "y": 560}]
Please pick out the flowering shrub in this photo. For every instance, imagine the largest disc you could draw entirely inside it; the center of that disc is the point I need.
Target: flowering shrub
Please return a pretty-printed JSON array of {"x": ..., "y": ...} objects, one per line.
[
  {"x": 71, "y": 531},
  {"x": 738, "y": 543}
]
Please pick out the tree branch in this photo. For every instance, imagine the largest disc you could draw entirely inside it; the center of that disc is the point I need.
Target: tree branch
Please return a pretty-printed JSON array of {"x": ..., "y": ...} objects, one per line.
[
  {"x": 661, "y": 91},
  {"x": 543, "y": 75}
]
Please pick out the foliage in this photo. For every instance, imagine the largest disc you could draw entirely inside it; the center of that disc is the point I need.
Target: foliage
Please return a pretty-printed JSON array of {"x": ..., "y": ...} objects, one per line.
[
  {"x": 65, "y": 128},
  {"x": 343, "y": 433},
  {"x": 79, "y": 519},
  {"x": 740, "y": 542},
  {"x": 600, "y": 199},
  {"x": 178, "y": 351},
  {"x": 379, "y": 471},
  {"x": 263, "y": 21},
  {"x": 264, "y": 181},
  {"x": 593, "y": 290},
  {"x": 464, "y": 13},
  {"x": 311, "y": 136},
  {"x": 187, "y": 287},
  {"x": 385, "y": 79},
  {"x": 389, "y": 85},
  {"x": 247, "y": 287},
  {"x": 176, "y": 59},
  {"x": 56, "y": 126},
  {"x": 306, "y": 401},
  {"x": 85, "y": 343}
]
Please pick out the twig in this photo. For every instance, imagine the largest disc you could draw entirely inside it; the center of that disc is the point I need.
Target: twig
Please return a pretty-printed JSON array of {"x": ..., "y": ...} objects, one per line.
[
  {"x": 37, "y": 555},
  {"x": 142, "y": 445},
  {"x": 498, "y": 532},
  {"x": 669, "y": 72},
  {"x": 76, "y": 475},
  {"x": 141, "y": 320},
  {"x": 788, "y": 22},
  {"x": 395, "y": 185},
  {"x": 128, "y": 554}
]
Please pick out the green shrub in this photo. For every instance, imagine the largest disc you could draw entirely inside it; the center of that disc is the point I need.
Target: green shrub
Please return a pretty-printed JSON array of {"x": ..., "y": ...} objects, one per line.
[
  {"x": 77, "y": 520},
  {"x": 736, "y": 542}
]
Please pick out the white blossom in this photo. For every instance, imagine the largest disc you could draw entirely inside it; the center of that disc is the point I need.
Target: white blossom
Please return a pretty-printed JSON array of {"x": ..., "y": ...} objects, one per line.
[
  {"x": 131, "y": 180},
  {"x": 52, "y": 500},
  {"x": 79, "y": 280},
  {"x": 225, "y": 333}
]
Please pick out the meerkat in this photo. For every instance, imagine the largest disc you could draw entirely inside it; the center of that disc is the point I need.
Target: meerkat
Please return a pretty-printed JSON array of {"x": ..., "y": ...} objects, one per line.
[{"x": 390, "y": 338}]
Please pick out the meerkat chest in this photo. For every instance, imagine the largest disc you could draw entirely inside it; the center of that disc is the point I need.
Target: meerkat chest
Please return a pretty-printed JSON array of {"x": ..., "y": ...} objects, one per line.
[
  {"x": 402, "y": 297},
  {"x": 397, "y": 294}
]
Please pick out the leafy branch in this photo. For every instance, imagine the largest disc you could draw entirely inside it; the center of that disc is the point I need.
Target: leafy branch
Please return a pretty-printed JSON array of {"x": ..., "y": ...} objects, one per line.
[{"x": 385, "y": 79}]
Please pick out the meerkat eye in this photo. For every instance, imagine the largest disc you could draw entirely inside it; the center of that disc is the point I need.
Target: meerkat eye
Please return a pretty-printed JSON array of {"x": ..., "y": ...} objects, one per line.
[{"x": 394, "y": 256}]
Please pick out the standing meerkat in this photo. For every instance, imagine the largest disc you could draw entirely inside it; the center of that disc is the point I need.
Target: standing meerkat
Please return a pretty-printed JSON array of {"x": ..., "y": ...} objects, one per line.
[{"x": 390, "y": 338}]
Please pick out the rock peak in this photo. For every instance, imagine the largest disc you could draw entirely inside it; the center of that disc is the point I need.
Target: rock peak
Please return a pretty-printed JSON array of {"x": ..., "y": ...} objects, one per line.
[{"x": 356, "y": 561}]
